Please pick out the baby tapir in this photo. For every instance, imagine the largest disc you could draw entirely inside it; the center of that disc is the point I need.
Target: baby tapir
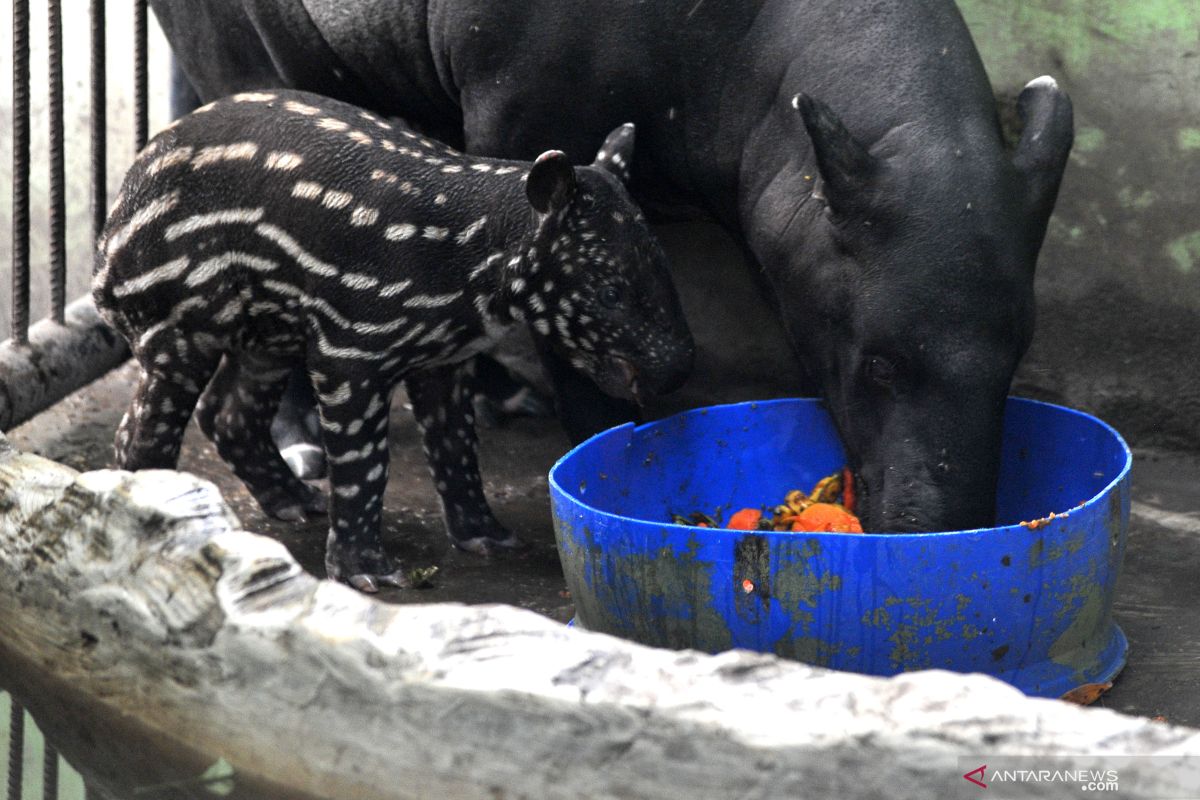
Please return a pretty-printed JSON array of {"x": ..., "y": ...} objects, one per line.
[{"x": 275, "y": 228}]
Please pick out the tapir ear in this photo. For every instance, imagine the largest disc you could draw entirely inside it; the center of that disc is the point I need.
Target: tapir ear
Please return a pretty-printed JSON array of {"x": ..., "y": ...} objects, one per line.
[
  {"x": 845, "y": 165},
  {"x": 551, "y": 182},
  {"x": 617, "y": 153},
  {"x": 1045, "y": 144}
]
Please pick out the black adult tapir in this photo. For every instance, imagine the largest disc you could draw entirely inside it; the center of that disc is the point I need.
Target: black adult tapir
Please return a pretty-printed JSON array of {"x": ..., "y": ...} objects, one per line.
[{"x": 853, "y": 146}]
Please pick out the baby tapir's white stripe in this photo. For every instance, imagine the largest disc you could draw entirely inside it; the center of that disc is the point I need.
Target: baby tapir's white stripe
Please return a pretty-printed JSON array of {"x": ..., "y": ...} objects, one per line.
[
  {"x": 308, "y": 301},
  {"x": 398, "y": 233},
  {"x": 468, "y": 233},
  {"x": 373, "y": 329},
  {"x": 216, "y": 153},
  {"x": 144, "y": 216},
  {"x": 432, "y": 300},
  {"x": 228, "y": 216},
  {"x": 393, "y": 289},
  {"x": 338, "y": 396},
  {"x": 210, "y": 268},
  {"x": 485, "y": 266},
  {"x": 281, "y": 160},
  {"x": 327, "y": 348},
  {"x": 335, "y": 199},
  {"x": 253, "y": 97},
  {"x": 301, "y": 108},
  {"x": 172, "y": 158},
  {"x": 170, "y": 321},
  {"x": 359, "y": 280},
  {"x": 165, "y": 272},
  {"x": 290, "y": 246},
  {"x": 363, "y": 216},
  {"x": 307, "y": 190}
]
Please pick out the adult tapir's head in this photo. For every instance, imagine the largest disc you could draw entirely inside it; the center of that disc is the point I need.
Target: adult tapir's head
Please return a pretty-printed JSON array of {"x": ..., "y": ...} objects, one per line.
[{"x": 907, "y": 288}]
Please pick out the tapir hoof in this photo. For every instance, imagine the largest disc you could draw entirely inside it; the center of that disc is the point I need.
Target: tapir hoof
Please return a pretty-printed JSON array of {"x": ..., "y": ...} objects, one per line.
[
  {"x": 288, "y": 506},
  {"x": 365, "y": 569},
  {"x": 487, "y": 546},
  {"x": 369, "y": 584}
]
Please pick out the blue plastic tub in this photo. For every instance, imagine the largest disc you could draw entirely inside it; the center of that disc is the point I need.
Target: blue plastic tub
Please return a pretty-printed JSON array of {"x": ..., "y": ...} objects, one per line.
[{"x": 1031, "y": 606}]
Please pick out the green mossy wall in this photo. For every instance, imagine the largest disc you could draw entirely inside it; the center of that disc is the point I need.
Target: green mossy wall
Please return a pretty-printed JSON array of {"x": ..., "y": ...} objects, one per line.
[{"x": 1119, "y": 276}]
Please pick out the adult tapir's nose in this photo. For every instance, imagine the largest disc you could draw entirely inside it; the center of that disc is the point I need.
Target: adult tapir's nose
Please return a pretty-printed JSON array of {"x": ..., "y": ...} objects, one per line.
[{"x": 940, "y": 491}]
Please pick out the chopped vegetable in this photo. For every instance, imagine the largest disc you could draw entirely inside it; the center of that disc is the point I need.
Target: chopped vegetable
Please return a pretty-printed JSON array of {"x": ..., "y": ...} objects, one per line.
[
  {"x": 1087, "y": 694},
  {"x": 828, "y": 518},
  {"x": 817, "y": 511},
  {"x": 419, "y": 577},
  {"x": 745, "y": 520}
]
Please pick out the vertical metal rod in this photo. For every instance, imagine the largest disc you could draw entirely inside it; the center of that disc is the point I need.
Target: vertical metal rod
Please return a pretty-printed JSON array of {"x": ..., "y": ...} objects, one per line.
[
  {"x": 50, "y": 773},
  {"x": 20, "y": 188},
  {"x": 16, "y": 750},
  {"x": 99, "y": 122},
  {"x": 58, "y": 205},
  {"x": 141, "y": 115}
]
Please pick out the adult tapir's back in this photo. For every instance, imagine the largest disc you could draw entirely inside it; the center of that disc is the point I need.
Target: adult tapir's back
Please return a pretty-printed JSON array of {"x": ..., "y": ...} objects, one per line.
[
  {"x": 509, "y": 79},
  {"x": 852, "y": 145}
]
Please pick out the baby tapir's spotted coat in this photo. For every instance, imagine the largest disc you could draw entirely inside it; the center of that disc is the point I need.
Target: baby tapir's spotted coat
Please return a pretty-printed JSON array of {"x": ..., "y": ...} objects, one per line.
[{"x": 276, "y": 228}]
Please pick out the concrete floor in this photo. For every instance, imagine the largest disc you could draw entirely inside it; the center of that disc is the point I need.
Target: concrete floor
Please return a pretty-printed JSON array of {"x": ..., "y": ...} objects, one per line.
[{"x": 1158, "y": 602}]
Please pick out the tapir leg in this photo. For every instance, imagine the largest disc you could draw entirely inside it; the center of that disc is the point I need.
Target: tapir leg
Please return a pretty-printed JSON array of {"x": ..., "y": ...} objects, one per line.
[
  {"x": 501, "y": 396},
  {"x": 441, "y": 401},
  {"x": 235, "y": 413},
  {"x": 354, "y": 421},
  {"x": 151, "y": 432}
]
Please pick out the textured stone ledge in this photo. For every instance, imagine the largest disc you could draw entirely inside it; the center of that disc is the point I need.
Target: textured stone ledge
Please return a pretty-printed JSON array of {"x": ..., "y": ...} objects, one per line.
[{"x": 134, "y": 611}]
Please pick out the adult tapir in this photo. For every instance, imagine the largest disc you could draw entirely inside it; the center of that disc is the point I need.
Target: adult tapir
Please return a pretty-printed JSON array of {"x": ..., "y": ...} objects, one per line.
[{"x": 853, "y": 146}]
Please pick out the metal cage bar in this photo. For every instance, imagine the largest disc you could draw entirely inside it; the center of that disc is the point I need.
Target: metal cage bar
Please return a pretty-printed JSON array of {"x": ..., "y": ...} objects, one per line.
[
  {"x": 99, "y": 121},
  {"x": 20, "y": 188},
  {"x": 58, "y": 203},
  {"x": 141, "y": 82},
  {"x": 43, "y": 363},
  {"x": 16, "y": 750},
  {"x": 49, "y": 773}
]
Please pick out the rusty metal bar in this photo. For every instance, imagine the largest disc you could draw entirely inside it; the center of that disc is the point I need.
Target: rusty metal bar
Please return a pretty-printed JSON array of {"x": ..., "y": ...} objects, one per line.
[
  {"x": 20, "y": 188},
  {"x": 16, "y": 749},
  {"x": 141, "y": 83},
  {"x": 50, "y": 773},
  {"x": 59, "y": 360},
  {"x": 99, "y": 121},
  {"x": 58, "y": 204}
]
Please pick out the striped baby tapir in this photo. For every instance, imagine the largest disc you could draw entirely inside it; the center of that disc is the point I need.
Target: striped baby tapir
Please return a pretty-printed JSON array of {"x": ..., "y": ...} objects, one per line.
[{"x": 277, "y": 228}]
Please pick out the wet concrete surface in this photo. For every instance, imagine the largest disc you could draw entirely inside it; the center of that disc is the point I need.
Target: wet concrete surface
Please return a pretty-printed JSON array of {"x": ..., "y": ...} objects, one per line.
[{"x": 1158, "y": 598}]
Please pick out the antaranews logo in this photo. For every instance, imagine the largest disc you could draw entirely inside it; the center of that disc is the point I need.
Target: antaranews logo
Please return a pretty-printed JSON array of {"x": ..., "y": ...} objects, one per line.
[
  {"x": 1088, "y": 780},
  {"x": 978, "y": 781}
]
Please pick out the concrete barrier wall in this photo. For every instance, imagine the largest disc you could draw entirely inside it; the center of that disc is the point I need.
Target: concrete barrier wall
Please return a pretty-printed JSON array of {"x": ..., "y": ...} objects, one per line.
[{"x": 153, "y": 640}]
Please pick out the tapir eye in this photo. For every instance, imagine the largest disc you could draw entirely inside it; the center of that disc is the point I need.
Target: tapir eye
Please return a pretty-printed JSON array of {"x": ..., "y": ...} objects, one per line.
[
  {"x": 881, "y": 370},
  {"x": 610, "y": 296}
]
